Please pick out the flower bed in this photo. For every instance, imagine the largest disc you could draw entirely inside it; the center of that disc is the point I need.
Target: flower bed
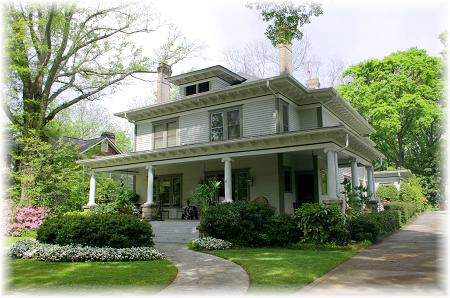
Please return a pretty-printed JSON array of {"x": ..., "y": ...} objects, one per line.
[
  {"x": 209, "y": 243},
  {"x": 31, "y": 249}
]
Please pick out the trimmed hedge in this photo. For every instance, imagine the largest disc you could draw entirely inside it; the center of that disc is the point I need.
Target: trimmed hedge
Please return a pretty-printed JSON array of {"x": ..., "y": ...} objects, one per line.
[
  {"x": 96, "y": 230},
  {"x": 282, "y": 231},
  {"x": 407, "y": 209},
  {"x": 242, "y": 223},
  {"x": 322, "y": 224},
  {"x": 374, "y": 226}
]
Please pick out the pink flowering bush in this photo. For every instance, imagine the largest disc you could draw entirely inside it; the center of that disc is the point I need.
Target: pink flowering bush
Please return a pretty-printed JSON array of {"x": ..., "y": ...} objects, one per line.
[{"x": 27, "y": 218}]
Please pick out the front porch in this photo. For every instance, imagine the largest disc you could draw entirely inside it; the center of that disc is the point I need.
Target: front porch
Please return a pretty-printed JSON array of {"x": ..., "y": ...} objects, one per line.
[{"x": 285, "y": 177}]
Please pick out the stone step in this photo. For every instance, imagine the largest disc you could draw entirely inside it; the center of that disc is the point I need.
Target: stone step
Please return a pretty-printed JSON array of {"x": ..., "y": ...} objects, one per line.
[{"x": 174, "y": 231}]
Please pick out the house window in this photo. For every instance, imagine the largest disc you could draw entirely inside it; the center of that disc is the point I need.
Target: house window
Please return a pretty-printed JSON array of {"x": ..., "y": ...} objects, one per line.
[
  {"x": 197, "y": 88},
  {"x": 203, "y": 87},
  {"x": 165, "y": 134},
  {"x": 240, "y": 184},
  {"x": 226, "y": 124},
  {"x": 168, "y": 190},
  {"x": 323, "y": 183},
  {"x": 191, "y": 90},
  {"x": 284, "y": 116},
  {"x": 287, "y": 180}
]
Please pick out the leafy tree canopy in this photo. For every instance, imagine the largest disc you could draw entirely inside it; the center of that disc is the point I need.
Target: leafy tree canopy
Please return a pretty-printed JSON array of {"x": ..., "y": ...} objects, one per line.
[{"x": 285, "y": 19}]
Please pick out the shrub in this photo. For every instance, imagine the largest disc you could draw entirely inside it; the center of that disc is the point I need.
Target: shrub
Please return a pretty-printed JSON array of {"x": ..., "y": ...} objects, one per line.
[
  {"x": 387, "y": 192},
  {"x": 208, "y": 243},
  {"x": 242, "y": 223},
  {"x": 321, "y": 224},
  {"x": 374, "y": 226},
  {"x": 412, "y": 192},
  {"x": 98, "y": 230},
  {"x": 27, "y": 218},
  {"x": 282, "y": 230},
  {"x": 407, "y": 209},
  {"x": 31, "y": 249}
]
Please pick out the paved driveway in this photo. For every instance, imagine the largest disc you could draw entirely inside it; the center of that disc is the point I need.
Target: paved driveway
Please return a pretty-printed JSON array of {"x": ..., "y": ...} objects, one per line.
[{"x": 411, "y": 261}]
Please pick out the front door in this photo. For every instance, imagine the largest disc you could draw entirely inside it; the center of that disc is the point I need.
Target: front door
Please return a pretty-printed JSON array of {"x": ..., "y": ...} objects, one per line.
[
  {"x": 305, "y": 188},
  {"x": 168, "y": 190}
]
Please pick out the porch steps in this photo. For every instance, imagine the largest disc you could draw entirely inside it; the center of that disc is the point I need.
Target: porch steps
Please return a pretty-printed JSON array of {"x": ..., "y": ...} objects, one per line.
[{"x": 174, "y": 231}]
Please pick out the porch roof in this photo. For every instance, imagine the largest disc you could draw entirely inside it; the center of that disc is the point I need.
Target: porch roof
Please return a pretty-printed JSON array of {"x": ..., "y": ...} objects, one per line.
[
  {"x": 283, "y": 142},
  {"x": 284, "y": 84}
]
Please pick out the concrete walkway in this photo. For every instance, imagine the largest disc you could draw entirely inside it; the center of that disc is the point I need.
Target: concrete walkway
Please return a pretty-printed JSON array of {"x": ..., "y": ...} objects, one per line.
[
  {"x": 200, "y": 273},
  {"x": 411, "y": 261}
]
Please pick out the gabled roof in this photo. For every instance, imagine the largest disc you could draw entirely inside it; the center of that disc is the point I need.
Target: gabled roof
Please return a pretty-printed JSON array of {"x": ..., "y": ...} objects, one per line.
[
  {"x": 85, "y": 145},
  {"x": 205, "y": 73}
]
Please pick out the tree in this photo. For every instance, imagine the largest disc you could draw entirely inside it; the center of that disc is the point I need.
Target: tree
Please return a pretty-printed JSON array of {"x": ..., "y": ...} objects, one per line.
[
  {"x": 401, "y": 96},
  {"x": 285, "y": 19},
  {"x": 62, "y": 54},
  {"x": 260, "y": 59}
]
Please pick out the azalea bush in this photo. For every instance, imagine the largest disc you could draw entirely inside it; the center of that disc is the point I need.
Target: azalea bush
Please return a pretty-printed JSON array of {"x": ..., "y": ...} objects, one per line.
[
  {"x": 209, "y": 243},
  {"x": 32, "y": 249},
  {"x": 99, "y": 230},
  {"x": 26, "y": 218}
]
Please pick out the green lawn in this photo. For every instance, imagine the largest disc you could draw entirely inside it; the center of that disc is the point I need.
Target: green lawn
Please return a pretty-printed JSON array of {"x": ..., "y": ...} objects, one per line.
[
  {"x": 136, "y": 277},
  {"x": 142, "y": 276},
  {"x": 283, "y": 269}
]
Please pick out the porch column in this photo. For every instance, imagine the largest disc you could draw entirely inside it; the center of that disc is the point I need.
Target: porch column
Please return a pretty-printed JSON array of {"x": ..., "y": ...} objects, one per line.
[
  {"x": 370, "y": 183},
  {"x": 150, "y": 180},
  {"x": 228, "y": 182},
  {"x": 354, "y": 166},
  {"x": 91, "y": 202},
  {"x": 331, "y": 175}
]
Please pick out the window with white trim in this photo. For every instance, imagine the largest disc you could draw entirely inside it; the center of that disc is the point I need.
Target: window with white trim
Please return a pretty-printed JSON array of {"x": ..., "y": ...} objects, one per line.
[
  {"x": 165, "y": 133},
  {"x": 284, "y": 116},
  {"x": 226, "y": 124}
]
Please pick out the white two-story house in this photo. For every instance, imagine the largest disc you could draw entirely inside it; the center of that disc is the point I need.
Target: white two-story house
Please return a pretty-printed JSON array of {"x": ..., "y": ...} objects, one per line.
[{"x": 271, "y": 137}]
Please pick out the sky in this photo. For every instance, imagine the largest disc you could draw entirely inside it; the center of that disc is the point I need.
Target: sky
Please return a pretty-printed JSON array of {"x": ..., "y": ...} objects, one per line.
[{"x": 353, "y": 31}]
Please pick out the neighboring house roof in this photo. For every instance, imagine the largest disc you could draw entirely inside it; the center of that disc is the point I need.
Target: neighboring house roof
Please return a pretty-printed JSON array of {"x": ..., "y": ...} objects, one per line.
[
  {"x": 201, "y": 74},
  {"x": 283, "y": 84},
  {"x": 86, "y": 145},
  {"x": 404, "y": 174}
]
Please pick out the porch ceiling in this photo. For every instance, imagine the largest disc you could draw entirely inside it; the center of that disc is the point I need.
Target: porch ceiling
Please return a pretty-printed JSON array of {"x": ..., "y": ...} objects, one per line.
[{"x": 242, "y": 146}]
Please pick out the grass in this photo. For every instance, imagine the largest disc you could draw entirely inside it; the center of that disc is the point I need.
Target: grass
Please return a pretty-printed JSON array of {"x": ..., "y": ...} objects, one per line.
[
  {"x": 26, "y": 235},
  {"x": 283, "y": 269},
  {"x": 138, "y": 276}
]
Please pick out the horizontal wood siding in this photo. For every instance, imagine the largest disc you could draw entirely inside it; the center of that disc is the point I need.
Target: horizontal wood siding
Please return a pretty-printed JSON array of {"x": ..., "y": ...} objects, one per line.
[
  {"x": 218, "y": 84},
  {"x": 328, "y": 119},
  {"x": 144, "y": 136},
  {"x": 308, "y": 118},
  {"x": 259, "y": 117},
  {"x": 294, "y": 118},
  {"x": 194, "y": 128}
]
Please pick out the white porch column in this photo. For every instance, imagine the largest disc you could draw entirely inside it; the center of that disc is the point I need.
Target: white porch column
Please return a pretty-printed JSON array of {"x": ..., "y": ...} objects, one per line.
[
  {"x": 150, "y": 180},
  {"x": 228, "y": 182},
  {"x": 354, "y": 166},
  {"x": 370, "y": 183},
  {"x": 331, "y": 175},
  {"x": 91, "y": 202}
]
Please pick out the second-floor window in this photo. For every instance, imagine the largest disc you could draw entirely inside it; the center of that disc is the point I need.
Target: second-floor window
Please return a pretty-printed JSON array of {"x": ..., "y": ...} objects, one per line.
[
  {"x": 165, "y": 134},
  {"x": 196, "y": 88},
  {"x": 225, "y": 124},
  {"x": 284, "y": 116}
]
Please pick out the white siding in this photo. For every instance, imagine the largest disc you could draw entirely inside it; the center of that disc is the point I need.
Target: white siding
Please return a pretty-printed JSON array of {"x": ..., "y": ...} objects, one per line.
[
  {"x": 294, "y": 118},
  {"x": 259, "y": 117},
  {"x": 144, "y": 136},
  {"x": 328, "y": 119},
  {"x": 217, "y": 84},
  {"x": 308, "y": 118},
  {"x": 194, "y": 128}
]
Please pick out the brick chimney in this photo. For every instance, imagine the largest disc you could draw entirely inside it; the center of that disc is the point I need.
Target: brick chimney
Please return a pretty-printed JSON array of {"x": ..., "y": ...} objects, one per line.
[
  {"x": 313, "y": 83},
  {"x": 285, "y": 58},
  {"x": 163, "y": 85},
  {"x": 109, "y": 135}
]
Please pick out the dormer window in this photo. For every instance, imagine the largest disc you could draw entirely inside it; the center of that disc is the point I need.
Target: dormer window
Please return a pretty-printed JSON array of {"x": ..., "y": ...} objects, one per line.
[{"x": 197, "y": 88}]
